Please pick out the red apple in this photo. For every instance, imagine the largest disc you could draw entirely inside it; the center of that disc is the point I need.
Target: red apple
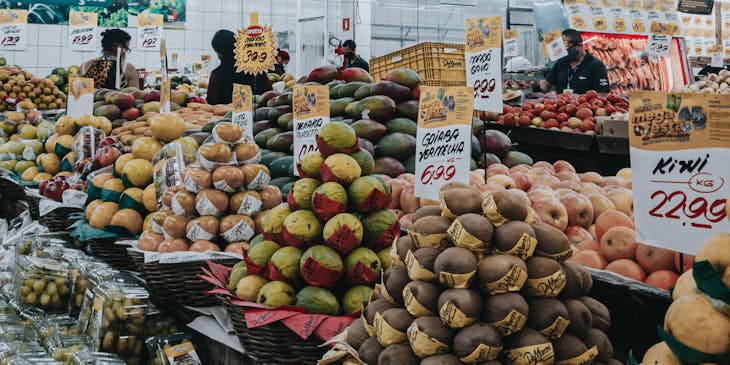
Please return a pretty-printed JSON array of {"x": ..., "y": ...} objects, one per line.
[
  {"x": 579, "y": 209},
  {"x": 522, "y": 180},
  {"x": 503, "y": 180},
  {"x": 587, "y": 125},
  {"x": 589, "y": 258},
  {"x": 600, "y": 204},
  {"x": 577, "y": 234},
  {"x": 546, "y": 179},
  {"x": 571, "y": 109},
  {"x": 562, "y": 117},
  {"x": 654, "y": 258},
  {"x": 562, "y": 165},
  {"x": 623, "y": 199},
  {"x": 591, "y": 176},
  {"x": 496, "y": 169},
  {"x": 551, "y": 123},
  {"x": 541, "y": 193},
  {"x": 610, "y": 219},
  {"x": 107, "y": 155},
  {"x": 584, "y": 113},
  {"x": 53, "y": 188},
  {"x": 552, "y": 212},
  {"x": 523, "y": 120}
]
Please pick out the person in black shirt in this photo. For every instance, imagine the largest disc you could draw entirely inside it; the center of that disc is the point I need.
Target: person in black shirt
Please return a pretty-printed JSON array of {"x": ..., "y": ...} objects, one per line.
[
  {"x": 220, "y": 84},
  {"x": 352, "y": 59},
  {"x": 578, "y": 71}
]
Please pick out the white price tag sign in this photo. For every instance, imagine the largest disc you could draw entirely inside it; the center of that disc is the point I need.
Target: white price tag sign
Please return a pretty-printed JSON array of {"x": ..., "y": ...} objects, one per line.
[
  {"x": 149, "y": 31},
  {"x": 554, "y": 45},
  {"x": 717, "y": 55},
  {"x": 13, "y": 30},
  {"x": 680, "y": 170},
  {"x": 243, "y": 109},
  {"x": 443, "y": 138},
  {"x": 484, "y": 61},
  {"x": 311, "y": 111},
  {"x": 658, "y": 45},
  {"x": 80, "y": 97},
  {"x": 511, "y": 36},
  {"x": 82, "y": 31}
]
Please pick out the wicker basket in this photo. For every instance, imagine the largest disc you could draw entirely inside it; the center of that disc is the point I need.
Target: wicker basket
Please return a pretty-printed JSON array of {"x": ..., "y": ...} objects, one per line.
[
  {"x": 178, "y": 284},
  {"x": 11, "y": 190},
  {"x": 113, "y": 254},
  {"x": 33, "y": 206},
  {"x": 58, "y": 219},
  {"x": 273, "y": 343}
]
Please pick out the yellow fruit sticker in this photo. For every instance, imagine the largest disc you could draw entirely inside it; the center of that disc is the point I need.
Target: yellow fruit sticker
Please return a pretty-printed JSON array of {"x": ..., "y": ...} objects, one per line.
[
  {"x": 436, "y": 240},
  {"x": 513, "y": 322},
  {"x": 424, "y": 345},
  {"x": 524, "y": 248},
  {"x": 453, "y": 317},
  {"x": 559, "y": 257},
  {"x": 541, "y": 354},
  {"x": 584, "y": 358},
  {"x": 555, "y": 330},
  {"x": 512, "y": 281},
  {"x": 482, "y": 353},
  {"x": 549, "y": 286},
  {"x": 416, "y": 271},
  {"x": 386, "y": 334},
  {"x": 413, "y": 306},
  {"x": 368, "y": 328},
  {"x": 459, "y": 281},
  {"x": 462, "y": 238},
  {"x": 489, "y": 208}
]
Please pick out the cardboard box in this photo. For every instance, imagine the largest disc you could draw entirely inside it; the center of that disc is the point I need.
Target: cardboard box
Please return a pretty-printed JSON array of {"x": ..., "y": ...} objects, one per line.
[{"x": 615, "y": 128}]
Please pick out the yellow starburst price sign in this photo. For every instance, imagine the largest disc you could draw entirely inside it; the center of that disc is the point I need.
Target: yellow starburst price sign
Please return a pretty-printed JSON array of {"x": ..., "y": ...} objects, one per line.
[{"x": 255, "y": 48}]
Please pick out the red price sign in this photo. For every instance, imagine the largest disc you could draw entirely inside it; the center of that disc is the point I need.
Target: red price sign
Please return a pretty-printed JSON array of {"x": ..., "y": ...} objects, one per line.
[
  {"x": 688, "y": 208},
  {"x": 306, "y": 149},
  {"x": 484, "y": 88},
  {"x": 149, "y": 42},
  {"x": 254, "y": 56},
  {"x": 433, "y": 173},
  {"x": 10, "y": 41},
  {"x": 83, "y": 39}
]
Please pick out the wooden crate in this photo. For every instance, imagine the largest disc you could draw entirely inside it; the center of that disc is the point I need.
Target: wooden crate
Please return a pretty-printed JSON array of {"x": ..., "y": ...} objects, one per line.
[{"x": 438, "y": 64}]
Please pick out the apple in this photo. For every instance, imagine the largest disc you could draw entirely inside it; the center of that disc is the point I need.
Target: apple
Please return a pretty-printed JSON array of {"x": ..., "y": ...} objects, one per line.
[
  {"x": 497, "y": 169},
  {"x": 654, "y": 258},
  {"x": 625, "y": 173},
  {"x": 524, "y": 120},
  {"x": 567, "y": 129},
  {"x": 107, "y": 155},
  {"x": 560, "y": 192},
  {"x": 551, "y": 123},
  {"x": 618, "y": 181},
  {"x": 552, "y": 212},
  {"x": 503, "y": 180},
  {"x": 600, "y": 112},
  {"x": 521, "y": 168},
  {"x": 53, "y": 188},
  {"x": 587, "y": 125},
  {"x": 544, "y": 165},
  {"x": 79, "y": 185},
  {"x": 583, "y": 113},
  {"x": 546, "y": 179},
  {"x": 623, "y": 199},
  {"x": 571, "y": 109},
  {"x": 600, "y": 204},
  {"x": 591, "y": 176},
  {"x": 522, "y": 180},
  {"x": 568, "y": 185},
  {"x": 562, "y": 165},
  {"x": 562, "y": 117},
  {"x": 536, "y": 121},
  {"x": 579, "y": 209},
  {"x": 577, "y": 234},
  {"x": 540, "y": 193},
  {"x": 589, "y": 258},
  {"x": 587, "y": 188},
  {"x": 574, "y": 122},
  {"x": 491, "y": 188},
  {"x": 111, "y": 142},
  {"x": 568, "y": 176}
]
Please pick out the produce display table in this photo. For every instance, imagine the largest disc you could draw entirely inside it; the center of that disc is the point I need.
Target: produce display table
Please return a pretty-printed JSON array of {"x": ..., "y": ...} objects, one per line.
[{"x": 603, "y": 154}]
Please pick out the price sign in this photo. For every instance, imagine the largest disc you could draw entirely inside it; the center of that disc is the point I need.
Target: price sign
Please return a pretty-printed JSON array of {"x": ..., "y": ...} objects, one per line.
[
  {"x": 618, "y": 18},
  {"x": 599, "y": 17},
  {"x": 658, "y": 45},
  {"x": 82, "y": 33},
  {"x": 149, "y": 31},
  {"x": 553, "y": 45},
  {"x": 717, "y": 55},
  {"x": 443, "y": 138},
  {"x": 679, "y": 153},
  {"x": 165, "y": 90},
  {"x": 577, "y": 11},
  {"x": 243, "y": 109},
  {"x": 484, "y": 61},
  {"x": 510, "y": 42},
  {"x": 80, "y": 97},
  {"x": 13, "y": 29},
  {"x": 255, "y": 48},
  {"x": 205, "y": 61},
  {"x": 311, "y": 107}
]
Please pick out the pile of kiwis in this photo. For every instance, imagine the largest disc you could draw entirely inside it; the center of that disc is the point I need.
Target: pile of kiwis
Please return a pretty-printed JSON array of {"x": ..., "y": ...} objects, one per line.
[{"x": 478, "y": 281}]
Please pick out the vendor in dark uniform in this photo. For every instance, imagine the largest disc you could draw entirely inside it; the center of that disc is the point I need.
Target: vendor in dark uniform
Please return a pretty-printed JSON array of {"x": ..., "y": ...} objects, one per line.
[
  {"x": 578, "y": 71},
  {"x": 352, "y": 59}
]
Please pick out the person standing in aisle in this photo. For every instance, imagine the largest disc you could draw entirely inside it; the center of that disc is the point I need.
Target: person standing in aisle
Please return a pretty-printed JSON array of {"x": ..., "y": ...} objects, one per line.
[
  {"x": 282, "y": 59},
  {"x": 103, "y": 69},
  {"x": 220, "y": 84},
  {"x": 578, "y": 71},
  {"x": 352, "y": 59}
]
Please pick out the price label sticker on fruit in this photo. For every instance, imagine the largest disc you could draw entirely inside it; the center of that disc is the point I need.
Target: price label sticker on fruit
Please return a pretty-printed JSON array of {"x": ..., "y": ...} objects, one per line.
[
  {"x": 310, "y": 105},
  {"x": 13, "y": 29},
  {"x": 554, "y": 45},
  {"x": 680, "y": 145},
  {"x": 658, "y": 45},
  {"x": 149, "y": 31},
  {"x": 255, "y": 49},
  {"x": 80, "y": 97},
  {"x": 443, "y": 138},
  {"x": 483, "y": 55},
  {"x": 82, "y": 30},
  {"x": 243, "y": 109}
]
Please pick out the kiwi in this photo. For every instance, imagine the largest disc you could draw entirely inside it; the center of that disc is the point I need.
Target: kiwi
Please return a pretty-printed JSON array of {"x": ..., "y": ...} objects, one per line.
[
  {"x": 429, "y": 210},
  {"x": 507, "y": 312},
  {"x": 551, "y": 242},
  {"x": 397, "y": 318},
  {"x": 581, "y": 319},
  {"x": 455, "y": 185},
  {"x": 508, "y": 238},
  {"x": 356, "y": 334},
  {"x": 548, "y": 316},
  {"x": 510, "y": 205},
  {"x": 595, "y": 337},
  {"x": 459, "y": 307},
  {"x": 403, "y": 245},
  {"x": 423, "y": 259},
  {"x": 431, "y": 225},
  {"x": 601, "y": 314},
  {"x": 475, "y": 225},
  {"x": 394, "y": 280},
  {"x": 420, "y": 296},
  {"x": 501, "y": 273},
  {"x": 376, "y": 306},
  {"x": 468, "y": 340},
  {"x": 398, "y": 354},
  {"x": 459, "y": 201},
  {"x": 568, "y": 347},
  {"x": 545, "y": 277},
  {"x": 455, "y": 261},
  {"x": 525, "y": 338},
  {"x": 370, "y": 350},
  {"x": 587, "y": 281},
  {"x": 435, "y": 329},
  {"x": 573, "y": 280},
  {"x": 443, "y": 359}
]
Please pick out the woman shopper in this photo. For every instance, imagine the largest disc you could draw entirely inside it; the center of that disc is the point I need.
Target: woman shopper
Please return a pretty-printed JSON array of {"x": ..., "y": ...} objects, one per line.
[
  {"x": 103, "y": 69},
  {"x": 220, "y": 84}
]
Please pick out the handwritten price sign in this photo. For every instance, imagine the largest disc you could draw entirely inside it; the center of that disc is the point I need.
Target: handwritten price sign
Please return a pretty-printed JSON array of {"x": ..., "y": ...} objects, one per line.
[
  {"x": 443, "y": 138},
  {"x": 310, "y": 105},
  {"x": 149, "y": 31},
  {"x": 679, "y": 154},
  {"x": 243, "y": 109},
  {"x": 659, "y": 45},
  {"x": 13, "y": 30},
  {"x": 255, "y": 48},
  {"x": 554, "y": 45},
  {"x": 82, "y": 30},
  {"x": 483, "y": 55}
]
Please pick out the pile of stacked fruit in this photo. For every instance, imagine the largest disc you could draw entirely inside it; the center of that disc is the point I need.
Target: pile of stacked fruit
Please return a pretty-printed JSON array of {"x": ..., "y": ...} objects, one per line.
[
  {"x": 476, "y": 282},
  {"x": 330, "y": 240},
  {"x": 24, "y": 137},
  {"x": 33, "y": 92},
  {"x": 697, "y": 326},
  {"x": 287, "y": 78},
  {"x": 217, "y": 200},
  {"x": 59, "y": 76}
]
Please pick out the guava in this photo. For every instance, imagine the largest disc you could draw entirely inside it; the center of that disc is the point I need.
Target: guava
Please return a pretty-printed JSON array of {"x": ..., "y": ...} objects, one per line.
[
  {"x": 368, "y": 194},
  {"x": 365, "y": 160},
  {"x": 261, "y": 253},
  {"x": 328, "y": 200},
  {"x": 273, "y": 223},
  {"x": 316, "y": 300},
  {"x": 304, "y": 225},
  {"x": 238, "y": 272},
  {"x": 342, "y": 220},
  {"x": 364, "y": 255},
  {"x": 340, "y": 168},
  {"x": 248, "y": 287},
  {"x": 324, "y": 268},
  {"x": 309, "y": 164},
  {"x": 385, "y": 260},
  {"x": 275, "y": 294},
  {"x": 356, "y": 299},
  {"x": 286, "y": 261},
  {"x": 300, "y": 195},
  {"x": 336, "y": 137},
  {"x": 378, "y": 223}
]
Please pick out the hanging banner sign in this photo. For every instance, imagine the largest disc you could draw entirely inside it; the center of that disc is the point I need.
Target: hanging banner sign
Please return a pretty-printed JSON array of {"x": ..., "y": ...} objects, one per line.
[
  {"x": 553, "y": 45},
  {"x": 255, "y": 49},
  {"x": 443, "y": 138},
  {"x": 80, "y": 97},
  {"x": 82, "y": 32},
  {"x": 511, "y": 36},
  {"x": 149, "y": 31},
  {"x": 679, "y": 153},
  {"x": 483, "y": 55},
  {"x": 13, "y": 30},
  {"x": 243, "y": 109},
  {"x": 311, "y": 108}
]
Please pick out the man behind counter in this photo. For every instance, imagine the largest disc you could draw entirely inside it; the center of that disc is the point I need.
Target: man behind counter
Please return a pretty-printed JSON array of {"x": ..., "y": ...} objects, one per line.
[{"x": 578, "y": 71}]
